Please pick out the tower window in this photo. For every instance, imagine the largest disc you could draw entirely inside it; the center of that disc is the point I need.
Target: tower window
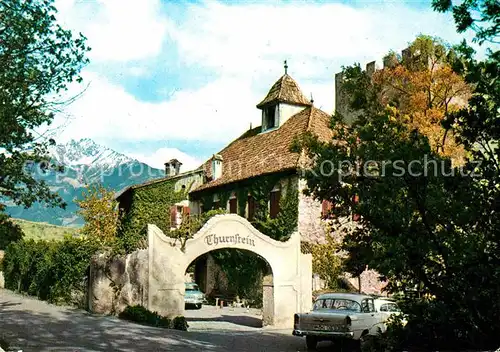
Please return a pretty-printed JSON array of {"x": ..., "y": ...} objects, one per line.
[{"x": 271, "y": 117}]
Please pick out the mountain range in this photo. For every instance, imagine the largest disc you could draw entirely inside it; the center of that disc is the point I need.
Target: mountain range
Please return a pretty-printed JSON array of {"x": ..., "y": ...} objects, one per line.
[{"x": 85, "y": 162}]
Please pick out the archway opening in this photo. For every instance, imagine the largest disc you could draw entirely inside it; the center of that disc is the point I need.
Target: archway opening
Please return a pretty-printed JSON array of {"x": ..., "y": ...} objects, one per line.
[{"x": 237, "y": 285}]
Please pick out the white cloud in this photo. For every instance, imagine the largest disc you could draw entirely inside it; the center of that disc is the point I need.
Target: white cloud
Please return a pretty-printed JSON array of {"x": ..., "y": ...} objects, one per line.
[
  {"x": 217, "y": 111},
  {"x": 162, "y": 155},
  {"x": 244, "y": 46},
  {"x": 117, "y": 30},
  {"x": 248, "y": 37}
]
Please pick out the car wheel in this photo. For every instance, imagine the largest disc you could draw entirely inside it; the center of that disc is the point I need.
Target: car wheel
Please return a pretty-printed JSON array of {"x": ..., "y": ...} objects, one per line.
[{"x": 311, "y": 342}]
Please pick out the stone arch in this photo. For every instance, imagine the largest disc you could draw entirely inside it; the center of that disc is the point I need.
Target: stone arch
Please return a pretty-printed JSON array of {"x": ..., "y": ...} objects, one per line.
[
  {"x": 292, "y": 270},
  {"x": 267, "y": 283}
]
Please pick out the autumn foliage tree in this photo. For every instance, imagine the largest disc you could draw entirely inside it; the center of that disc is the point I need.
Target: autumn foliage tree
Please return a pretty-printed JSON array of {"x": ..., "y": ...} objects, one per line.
[
  {"x": 427, "y": 225},
  {"x": 421, "y": 88},
  {"x": 100, "y": 211}
]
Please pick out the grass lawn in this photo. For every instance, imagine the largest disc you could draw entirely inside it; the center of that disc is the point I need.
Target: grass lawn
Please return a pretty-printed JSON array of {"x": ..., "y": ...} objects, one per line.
[{"x": 45, "y": 231}]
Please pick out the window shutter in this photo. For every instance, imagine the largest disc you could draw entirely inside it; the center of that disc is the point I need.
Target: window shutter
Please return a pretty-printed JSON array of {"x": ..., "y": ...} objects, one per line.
[
  {"x": 233, "y": 206},
  {"x": 251, "y": 208},
  {"x": 355, "y": 200},
  {"x": 274, "y": 208},
  {"x": 186, "y": 210},
  {"x": 326, "y": 208},
  {"x": 173, "y": 215}
]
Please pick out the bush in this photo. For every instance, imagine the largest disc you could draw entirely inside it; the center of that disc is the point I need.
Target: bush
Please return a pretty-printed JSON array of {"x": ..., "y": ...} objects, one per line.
[
  {"x": 141, "y": 315},
  {"x": 50, "y": 270},
  {"x": 180, "y": 323}
]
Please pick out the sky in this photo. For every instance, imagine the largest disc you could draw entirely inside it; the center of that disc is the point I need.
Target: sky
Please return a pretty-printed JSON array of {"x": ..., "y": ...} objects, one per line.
[{"x": 181, "y": 79}]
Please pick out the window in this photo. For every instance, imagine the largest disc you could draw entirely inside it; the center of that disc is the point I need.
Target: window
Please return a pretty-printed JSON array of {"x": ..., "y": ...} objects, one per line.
[
  {"x": 216, "y": 204},
  {"x": 274, "y": 206},
  {"x": 251, "y": 208},
  {"x": 271, "y": 117},
  {"x": 384, "y": 308},
  {"x": 233, "y": 205},
  {"x": 337, "y": 304},
  {"x": 393, "y": 307},
  {"x": 367, "y": 306}
]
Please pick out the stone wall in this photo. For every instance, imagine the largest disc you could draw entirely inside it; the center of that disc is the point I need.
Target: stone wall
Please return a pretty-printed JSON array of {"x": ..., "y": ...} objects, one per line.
[
  {"x": 310, "y": 226},
  {"x": 216, "y": 280},
  {"x": 370, "y": 282},
  {"x": 118, "y": 282}
]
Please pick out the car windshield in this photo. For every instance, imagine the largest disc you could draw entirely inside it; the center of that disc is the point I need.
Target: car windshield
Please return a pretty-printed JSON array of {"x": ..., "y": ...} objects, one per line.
[
  {"x": 192, "y": 287},
  {"x": 337, "y": 304}
]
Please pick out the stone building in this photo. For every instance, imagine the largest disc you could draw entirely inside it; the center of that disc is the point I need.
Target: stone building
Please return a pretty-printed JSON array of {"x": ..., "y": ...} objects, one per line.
[{"x": 256, "y": 176}]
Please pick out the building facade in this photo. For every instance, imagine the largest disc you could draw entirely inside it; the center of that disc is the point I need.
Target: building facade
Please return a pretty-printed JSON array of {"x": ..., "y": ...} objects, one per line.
[{"x": 256, "y": 176}]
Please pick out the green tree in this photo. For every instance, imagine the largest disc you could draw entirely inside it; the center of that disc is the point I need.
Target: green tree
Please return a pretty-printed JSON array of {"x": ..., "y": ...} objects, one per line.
[
  {"x": 38, "y": 59},
  {"x": 425, "y": 225},
  {"x": 482, "y": 16},
  {"x": 327, "y": 263},
  {"x": 9, "y": 231},
  {"x": 99, "y": 210}
]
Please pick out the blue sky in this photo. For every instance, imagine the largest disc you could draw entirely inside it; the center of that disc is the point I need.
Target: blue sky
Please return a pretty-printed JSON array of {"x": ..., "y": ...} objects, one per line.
[{"x": 182, "y": 78}]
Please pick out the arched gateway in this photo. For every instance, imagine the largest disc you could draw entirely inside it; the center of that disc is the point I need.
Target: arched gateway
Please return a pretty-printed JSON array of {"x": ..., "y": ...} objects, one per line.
[{"x": 292, "y": 270}]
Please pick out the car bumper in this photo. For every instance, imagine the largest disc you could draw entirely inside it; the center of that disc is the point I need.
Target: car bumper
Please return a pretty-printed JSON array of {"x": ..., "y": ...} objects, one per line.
[
  {"x": 325, "y": 334},
  {"x": 194, "y": 300}
]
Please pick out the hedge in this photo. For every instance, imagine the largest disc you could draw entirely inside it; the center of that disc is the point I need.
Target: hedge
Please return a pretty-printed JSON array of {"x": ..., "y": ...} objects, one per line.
[{"x": 55, "y": 271}]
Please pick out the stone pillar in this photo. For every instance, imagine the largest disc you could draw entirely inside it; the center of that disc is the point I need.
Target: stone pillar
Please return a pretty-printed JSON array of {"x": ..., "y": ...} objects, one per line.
[{"x": 268, "y": 300}]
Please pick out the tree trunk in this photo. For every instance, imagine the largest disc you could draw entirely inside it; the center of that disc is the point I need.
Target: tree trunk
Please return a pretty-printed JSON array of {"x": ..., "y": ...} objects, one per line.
[{"x": 359, "y": 283}]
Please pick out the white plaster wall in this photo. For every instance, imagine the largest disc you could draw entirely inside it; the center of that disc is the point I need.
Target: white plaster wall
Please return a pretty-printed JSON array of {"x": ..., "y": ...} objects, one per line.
[
  {"x": 168, "y": 264},
  {"x": 190, "y": 182},
  {"x": 285, "y": 111}
]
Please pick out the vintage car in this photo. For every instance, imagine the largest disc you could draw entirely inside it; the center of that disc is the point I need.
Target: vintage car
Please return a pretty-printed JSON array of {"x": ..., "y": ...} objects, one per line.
[
  {"x": 193, "y": 296},
  {"x": 346, "y": 317}
]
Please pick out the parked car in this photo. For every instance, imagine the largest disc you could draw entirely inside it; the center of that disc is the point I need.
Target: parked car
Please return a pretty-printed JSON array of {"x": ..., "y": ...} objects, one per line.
[
  {"x": 346, "y": 317},
  {"x": 193, "y": 296}
]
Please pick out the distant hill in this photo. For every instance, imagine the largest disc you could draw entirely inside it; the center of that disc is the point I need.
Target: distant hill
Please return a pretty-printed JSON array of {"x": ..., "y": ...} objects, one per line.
[
  {"x": 85, "y": 162},
  {"x": 42, "y": 230}
]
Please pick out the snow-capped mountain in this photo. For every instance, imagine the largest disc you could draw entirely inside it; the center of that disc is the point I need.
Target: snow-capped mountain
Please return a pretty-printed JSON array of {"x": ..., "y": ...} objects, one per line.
[
  {"x": 85, "y": 162},
  {"x": 87, "y": 152}
]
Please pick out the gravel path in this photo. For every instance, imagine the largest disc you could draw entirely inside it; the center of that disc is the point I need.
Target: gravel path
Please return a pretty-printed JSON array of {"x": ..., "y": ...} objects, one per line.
[{"x": 35, "y": 326}]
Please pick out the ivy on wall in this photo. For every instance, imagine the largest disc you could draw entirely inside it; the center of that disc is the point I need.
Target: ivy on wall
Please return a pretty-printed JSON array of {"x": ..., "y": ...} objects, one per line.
[
  {"x": 149, "y": 205},
  {"x": 279, "y": 228}
]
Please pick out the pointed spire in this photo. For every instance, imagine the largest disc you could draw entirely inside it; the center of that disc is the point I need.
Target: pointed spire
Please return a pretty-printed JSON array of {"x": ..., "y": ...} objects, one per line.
[
  {"x": 312, "y": 99},
  {"x": 286, "y": 68}
]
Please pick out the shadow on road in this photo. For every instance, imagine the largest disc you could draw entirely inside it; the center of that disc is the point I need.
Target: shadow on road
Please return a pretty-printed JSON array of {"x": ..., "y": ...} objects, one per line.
[
  {"x": 234, "y": 319},
  {"x": 35, "y": 326}
]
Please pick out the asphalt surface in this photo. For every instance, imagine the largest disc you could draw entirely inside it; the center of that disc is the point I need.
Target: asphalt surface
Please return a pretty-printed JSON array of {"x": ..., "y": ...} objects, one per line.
[{"x": 35, "y": 326}]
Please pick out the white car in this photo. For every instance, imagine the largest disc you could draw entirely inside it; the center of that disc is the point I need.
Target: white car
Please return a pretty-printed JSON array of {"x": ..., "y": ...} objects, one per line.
[{"x": 344, "y": 316}]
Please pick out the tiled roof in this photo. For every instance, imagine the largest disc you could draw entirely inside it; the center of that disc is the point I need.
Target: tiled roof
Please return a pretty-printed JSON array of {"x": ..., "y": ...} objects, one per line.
[
  {"x": 255, "y": 153},
  {"x": 285, "y": 90}
]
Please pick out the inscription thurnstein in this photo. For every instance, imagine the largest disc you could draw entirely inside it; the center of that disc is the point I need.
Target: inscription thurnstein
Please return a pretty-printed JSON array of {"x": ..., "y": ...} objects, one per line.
[{"x": 214, "y": 240}]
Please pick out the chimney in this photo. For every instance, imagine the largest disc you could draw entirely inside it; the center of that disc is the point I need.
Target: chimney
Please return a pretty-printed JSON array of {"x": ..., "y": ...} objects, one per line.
[
  {"x": 172, "y": 168},
  {"x": 216, "y": 166}
]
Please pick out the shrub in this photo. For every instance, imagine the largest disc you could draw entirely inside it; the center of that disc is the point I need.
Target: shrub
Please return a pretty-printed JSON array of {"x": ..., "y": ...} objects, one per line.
[
  {"x": 180, "y": 323},
  {"x": 142, "y": 315},
  {"x": 55, "y": 271}
]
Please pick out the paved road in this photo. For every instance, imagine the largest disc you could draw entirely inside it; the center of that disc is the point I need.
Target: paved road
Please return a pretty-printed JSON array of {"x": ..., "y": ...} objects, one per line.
[{"x": 36, "y": 326}]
